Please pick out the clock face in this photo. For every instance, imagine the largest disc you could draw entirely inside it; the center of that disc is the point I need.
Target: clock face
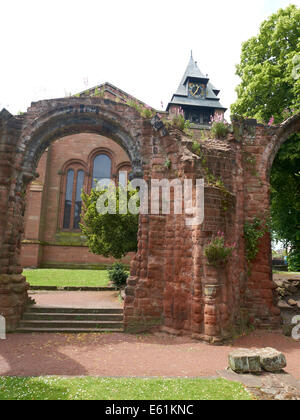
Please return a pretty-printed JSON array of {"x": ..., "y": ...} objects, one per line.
[{"x": 196, "y": 90}]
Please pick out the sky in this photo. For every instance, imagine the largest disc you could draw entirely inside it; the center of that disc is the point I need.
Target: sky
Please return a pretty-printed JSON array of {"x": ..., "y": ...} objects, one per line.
[{"x": 50, "y": 49}]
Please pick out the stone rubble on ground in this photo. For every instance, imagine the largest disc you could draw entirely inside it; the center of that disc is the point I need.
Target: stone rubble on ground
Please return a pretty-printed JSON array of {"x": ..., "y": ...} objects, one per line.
[
  {"x": 256, "y": 360},
  {"x": 288, "y": 291}
]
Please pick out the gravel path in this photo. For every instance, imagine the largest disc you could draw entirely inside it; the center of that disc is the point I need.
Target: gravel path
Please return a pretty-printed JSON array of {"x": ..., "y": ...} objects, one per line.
[
  {"x": 88, "y": 300},
  {"x": 129, "y": 355}
]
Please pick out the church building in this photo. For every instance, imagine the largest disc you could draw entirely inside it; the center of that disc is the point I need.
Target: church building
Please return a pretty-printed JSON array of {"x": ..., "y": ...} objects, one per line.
[{"x": 52, "y": 237}]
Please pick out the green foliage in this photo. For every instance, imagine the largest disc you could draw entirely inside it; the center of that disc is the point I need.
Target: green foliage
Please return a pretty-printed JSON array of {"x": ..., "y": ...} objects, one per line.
[
  {"x": 99, "y": 93},
  {"x": 168, "y": 164},
  {"x": 196, "y": 148},
  {"x": 218, "y": 252},
  {"x": 253, "y": 232},
  {"x": 268, "y": 85},
  {"x": 270, "y": 91},
  {"x": 144, "y": 110},
  {"x": 110, "y": 235},
  {"x": 219, "y": 130},
  {"x": 180, "y": 122},
  {"x": 118, "y": 275},
  {"x": 285, "y": 196},
  {"x": 294, "y": 260}
]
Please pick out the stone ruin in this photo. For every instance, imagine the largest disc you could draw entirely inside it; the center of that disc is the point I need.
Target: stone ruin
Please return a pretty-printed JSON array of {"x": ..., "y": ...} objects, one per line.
[{"x": 171, "y": 286}]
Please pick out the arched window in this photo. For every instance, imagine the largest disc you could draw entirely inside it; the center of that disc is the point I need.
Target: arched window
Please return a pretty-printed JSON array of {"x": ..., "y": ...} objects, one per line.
[
  {"x": 78, "y": 200},
  {"x": 68, "y": 199},
  {"x": 101, "y": 169},
  {"x": 72, "y": 204},
  {"x": 123, "y": 174}
]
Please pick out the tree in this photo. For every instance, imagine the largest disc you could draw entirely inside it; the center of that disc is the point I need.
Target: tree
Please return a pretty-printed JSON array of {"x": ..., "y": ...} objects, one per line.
[
  {"x": 285, "y": 199},
  {"x": 270, "y": 88},
  {"x": 267, "y": 69},
  {"x": 110, "y": 235}
]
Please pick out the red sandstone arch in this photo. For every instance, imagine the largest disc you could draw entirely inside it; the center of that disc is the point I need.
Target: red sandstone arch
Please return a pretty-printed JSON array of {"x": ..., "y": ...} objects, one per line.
[
  {"x": 283, "y": 133},
  {"x": 171, "y": 284}
]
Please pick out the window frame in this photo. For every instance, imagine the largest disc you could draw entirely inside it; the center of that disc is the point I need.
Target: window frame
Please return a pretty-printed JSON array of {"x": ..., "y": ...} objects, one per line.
[
  {"x": 79, "y": 165},
  {"x": 76, "y": 166}
]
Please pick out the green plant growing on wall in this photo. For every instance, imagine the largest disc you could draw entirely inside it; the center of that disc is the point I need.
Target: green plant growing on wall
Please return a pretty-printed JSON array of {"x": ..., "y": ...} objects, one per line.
[
  {"x": 196, "y": 148},
  {"x": 168, "y": 164},
  {"x": 217, "y": 251},
  {"x": 98, "y": 93},
  {"x": 219, "y": 127},
  {"x": 178, "y": 121},
  {"x": 253, "y": 231},
  {"x": 210, "y": 178},
  {"x": 144, "y": 110}
]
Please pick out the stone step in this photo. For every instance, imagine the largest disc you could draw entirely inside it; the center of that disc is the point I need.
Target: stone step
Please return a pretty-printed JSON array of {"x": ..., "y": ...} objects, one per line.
[
  {"x": 95, "y": 325},
  {"x": 26, "y": 330},
  {"x": 71, "y": 317},
  {"x": 50, "y": 310}
]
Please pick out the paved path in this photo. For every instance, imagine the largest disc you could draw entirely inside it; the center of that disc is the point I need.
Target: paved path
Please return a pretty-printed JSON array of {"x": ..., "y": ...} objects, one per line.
[
  {"x": 90, "y": 300},
  {"x": 129, "y": 355}
]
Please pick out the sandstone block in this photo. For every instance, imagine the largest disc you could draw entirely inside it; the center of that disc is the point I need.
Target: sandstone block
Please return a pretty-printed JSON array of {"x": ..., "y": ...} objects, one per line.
[
  {"x": 245, "y": 361},
  {"x": 272, "y": 360},
  {"x": 256, "y": 360}
]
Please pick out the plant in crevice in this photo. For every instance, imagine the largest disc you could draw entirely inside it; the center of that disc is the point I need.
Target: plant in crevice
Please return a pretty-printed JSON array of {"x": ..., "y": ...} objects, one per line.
[
  {"x": 219, "y": 126},
  {"x": 144, "y": 110},
  {"x": 253, "y": 231},
  {"x": 168, "y": 164},
  {"x": 178, "y": 121},
  {"x": 218, "y": 251}
]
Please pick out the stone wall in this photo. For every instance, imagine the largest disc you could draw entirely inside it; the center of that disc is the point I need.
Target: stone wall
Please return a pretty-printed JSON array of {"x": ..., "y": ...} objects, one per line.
[{"x": 171, "y": 284}]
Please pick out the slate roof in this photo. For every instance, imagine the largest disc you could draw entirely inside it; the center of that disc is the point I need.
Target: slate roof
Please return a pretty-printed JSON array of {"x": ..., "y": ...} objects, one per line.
[{"x": 181, "y": 97}]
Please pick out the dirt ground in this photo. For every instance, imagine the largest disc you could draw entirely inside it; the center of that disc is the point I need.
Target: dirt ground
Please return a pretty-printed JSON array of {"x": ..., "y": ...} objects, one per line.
[{"x": 129, "y": 355}]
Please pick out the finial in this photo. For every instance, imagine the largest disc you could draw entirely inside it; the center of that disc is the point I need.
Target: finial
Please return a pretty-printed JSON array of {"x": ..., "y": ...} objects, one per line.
[{"x": 191, "y": 53}]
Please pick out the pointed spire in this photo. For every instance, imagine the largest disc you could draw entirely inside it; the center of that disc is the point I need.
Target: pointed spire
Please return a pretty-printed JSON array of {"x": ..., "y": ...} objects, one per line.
[{"x": 182, "y": 97}]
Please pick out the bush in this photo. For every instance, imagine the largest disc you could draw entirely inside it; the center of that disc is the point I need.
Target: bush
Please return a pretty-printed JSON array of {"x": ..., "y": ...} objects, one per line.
[
  {"x": 110, "y": 235},
  {"x": 219, "y": 127},
  {"x": 218, "y": 252},
  {"x": 294, "y": 261},
  {"x": 118, "y": 275}
]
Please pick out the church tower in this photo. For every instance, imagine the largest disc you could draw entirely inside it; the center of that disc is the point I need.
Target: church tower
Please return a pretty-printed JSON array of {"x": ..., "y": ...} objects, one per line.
[{"x": 197, "y": 96}]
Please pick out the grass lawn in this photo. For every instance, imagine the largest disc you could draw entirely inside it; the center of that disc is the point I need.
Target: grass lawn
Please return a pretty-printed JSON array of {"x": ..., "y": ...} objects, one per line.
[
  {"x": 286, "y": 273},
  {"x": 63, "y": 278},
  {"x": 88, "y": 388}
]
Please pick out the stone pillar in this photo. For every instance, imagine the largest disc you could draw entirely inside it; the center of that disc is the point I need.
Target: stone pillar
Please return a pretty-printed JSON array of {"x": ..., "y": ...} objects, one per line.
[
  {"x": 13, "y": 286},
  {"x": 215, "y": 307}
]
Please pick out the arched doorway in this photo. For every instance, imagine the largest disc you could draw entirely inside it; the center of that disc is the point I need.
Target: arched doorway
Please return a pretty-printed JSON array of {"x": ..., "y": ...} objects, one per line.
[
  {"x": 23, "y": 140},
  {"x": 260, "y": 148}
]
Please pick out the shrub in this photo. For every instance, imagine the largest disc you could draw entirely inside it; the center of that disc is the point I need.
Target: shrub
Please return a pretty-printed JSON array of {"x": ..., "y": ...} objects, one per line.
[
  {"x": 118, "y": 275},
  {"x": 253, "y": 232},
  {"x": 219, "y": 127},
  {"x": 294, "y": 261},
  {"x": 218, "y": 252},
  {"x": 196, "y": 148}
]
